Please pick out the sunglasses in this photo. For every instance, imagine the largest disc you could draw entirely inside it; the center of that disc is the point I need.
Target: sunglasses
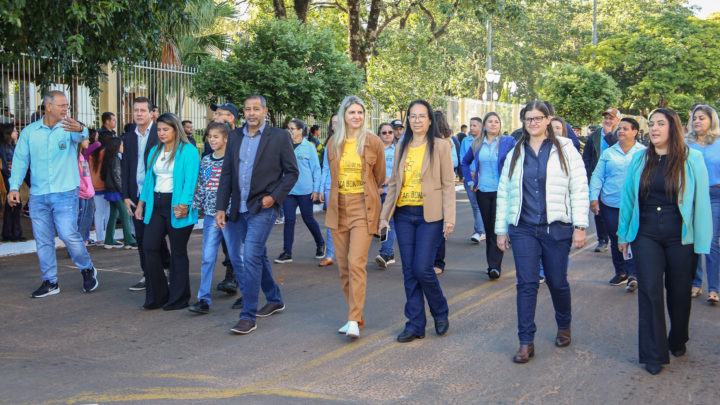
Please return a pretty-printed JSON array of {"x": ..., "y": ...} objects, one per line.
[{"x": 386, "y": 132}]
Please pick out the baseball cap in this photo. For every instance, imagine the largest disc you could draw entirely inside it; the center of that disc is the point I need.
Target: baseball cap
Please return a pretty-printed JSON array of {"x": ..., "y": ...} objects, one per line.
[
  {"x": 397, "y": 124},
  {"x": 614, "y": 112},
  {"x": 227, "y": 107}
]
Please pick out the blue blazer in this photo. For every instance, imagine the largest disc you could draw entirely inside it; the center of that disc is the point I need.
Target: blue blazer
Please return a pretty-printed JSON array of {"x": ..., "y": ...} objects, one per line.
[
  {"x": 505, "y": 146},
  {"x": 694, "y": 204},
  {"x": 185, "y": 175}
]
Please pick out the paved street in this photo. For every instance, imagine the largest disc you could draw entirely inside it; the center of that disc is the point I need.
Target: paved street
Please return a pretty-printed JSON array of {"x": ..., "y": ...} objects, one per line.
[{"x": 101, "y": 348}]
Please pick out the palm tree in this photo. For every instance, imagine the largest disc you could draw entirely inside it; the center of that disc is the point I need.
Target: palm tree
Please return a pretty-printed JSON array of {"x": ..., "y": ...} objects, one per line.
[{"x": 204, "y": 33}]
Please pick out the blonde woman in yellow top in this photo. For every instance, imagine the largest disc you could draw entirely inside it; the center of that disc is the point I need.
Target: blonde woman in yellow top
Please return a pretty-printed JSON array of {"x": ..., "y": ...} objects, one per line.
[
  {"x": 357, "y": 171},
  {"x": 421, "y": 196}
]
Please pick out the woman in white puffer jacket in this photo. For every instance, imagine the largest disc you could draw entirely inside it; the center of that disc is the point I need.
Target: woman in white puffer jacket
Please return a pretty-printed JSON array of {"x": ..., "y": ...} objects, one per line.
[{"x": 542, "y": 206}]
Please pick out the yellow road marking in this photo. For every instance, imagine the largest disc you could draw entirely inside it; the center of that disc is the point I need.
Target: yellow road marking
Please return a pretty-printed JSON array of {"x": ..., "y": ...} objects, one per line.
[{"x": 178, "y": 376}]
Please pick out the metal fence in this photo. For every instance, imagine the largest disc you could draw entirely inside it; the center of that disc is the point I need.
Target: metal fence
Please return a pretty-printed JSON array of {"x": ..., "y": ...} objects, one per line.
[
  {"x": 168, "y": 86},
  {"x": 20, "y": 98}
]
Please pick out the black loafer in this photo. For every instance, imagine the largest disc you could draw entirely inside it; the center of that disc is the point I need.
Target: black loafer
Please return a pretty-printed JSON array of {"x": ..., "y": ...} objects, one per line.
[
  {"x": 406, "y": 337},
  {"x": 441, "y": 326},
  {"x": 653, "y": 368},
  {"x": 494, "y": 274},
  {"x": 679, "y": 351},
  {"x": 200, "y": 307}
]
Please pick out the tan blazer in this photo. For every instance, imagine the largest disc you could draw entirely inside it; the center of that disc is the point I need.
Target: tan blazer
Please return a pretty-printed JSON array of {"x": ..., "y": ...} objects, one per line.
[
  {"x": 437, "y": 181},
  {"x": 373, "y": 173}
]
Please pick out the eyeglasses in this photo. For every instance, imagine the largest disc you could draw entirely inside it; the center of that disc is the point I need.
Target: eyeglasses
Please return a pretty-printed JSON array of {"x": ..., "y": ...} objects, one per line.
[
  {"x": 386, "y": 132},
  {"x": 537, "y": 120},
  {"x": 421, "y": 117},
  {"x": 292, "y": 129}
]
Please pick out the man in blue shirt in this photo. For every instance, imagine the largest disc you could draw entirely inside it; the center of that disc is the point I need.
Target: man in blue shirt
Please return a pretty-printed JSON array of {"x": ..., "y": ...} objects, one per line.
[
  {"x": 48, "y": 147},
  {"x": 476, "y": 127},
  {"x": 259, "y": 171},
  {"x": 596, "y": 144}
]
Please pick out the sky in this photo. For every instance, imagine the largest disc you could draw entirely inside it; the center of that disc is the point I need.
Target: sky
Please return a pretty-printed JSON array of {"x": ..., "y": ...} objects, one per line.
[{"x": 708, "y": 7}]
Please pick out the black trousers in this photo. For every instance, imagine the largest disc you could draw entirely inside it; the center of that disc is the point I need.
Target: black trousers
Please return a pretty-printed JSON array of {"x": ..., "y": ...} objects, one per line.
[
  {"x": 140, "y": 237},
  {"x": 157, "y": 292},
  {"x": 662, "y": 260},
  {"x": 601, "y": 229},
  {"x": 487, "y": 201},
  {"x": 11, "y": 229}
]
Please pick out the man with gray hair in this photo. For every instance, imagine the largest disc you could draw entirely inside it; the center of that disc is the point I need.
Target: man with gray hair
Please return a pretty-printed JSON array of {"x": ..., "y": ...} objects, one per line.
[{"x": 48, "y": 147}]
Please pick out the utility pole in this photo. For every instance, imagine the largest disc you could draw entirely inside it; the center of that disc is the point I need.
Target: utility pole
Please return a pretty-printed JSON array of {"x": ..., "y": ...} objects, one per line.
[
  {"x": 594, "y": 33},
  {"x": 489, "y": 59}
]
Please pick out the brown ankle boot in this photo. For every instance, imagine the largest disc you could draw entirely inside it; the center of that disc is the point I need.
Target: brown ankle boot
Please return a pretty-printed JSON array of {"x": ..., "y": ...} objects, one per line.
[
  {"x": 524, "y": 353},
  {"x": 563, "y": 338}
]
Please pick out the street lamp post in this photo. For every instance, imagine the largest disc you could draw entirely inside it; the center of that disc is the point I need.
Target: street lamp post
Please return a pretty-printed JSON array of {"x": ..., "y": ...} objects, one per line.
[{"x": 493, "y": 78}]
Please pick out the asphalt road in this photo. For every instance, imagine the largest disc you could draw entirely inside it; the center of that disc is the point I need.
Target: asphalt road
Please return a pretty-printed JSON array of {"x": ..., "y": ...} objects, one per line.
[{"x": 101, "y": 348}]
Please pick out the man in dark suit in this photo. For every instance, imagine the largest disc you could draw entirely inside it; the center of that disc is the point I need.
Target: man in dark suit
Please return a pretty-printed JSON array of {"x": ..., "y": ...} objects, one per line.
[
  {"x": 259, "y": 171},
  {"x": 136, "y": 147}
]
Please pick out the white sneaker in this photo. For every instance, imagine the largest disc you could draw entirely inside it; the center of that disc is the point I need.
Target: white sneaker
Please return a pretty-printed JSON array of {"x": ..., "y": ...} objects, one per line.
[
  {"x": 344, "y": 329},
  {"x": 353, "y": 330},
  {"x": 475, "y": 238}
]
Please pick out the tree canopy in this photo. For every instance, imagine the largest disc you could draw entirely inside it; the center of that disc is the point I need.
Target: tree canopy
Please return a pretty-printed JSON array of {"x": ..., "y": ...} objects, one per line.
[
  {"x": 578, "y": 93},
  {"x": 91, "y": 33},
  {"x": 669, "y": 61},
  {"x": 295, "y": 66}
]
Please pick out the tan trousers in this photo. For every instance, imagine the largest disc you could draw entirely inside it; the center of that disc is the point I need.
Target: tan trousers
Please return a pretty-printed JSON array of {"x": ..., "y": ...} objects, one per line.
[{"x": 352, "y": 242}]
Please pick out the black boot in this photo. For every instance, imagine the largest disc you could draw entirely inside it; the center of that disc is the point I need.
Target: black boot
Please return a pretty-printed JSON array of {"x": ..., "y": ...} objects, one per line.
[{"x": 229, "y": 285}]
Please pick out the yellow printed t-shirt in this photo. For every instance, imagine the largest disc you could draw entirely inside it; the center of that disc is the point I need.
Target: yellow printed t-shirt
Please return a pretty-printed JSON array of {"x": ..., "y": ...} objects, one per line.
[
  {"x": 411, "y": 191},
  {"x": 350, "y": 176}
]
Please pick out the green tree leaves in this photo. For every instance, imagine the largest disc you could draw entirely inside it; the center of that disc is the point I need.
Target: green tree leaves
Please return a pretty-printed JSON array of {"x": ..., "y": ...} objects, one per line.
[
  {"x": 295, "y": 66},
  {"x": 578, "y": 93}
]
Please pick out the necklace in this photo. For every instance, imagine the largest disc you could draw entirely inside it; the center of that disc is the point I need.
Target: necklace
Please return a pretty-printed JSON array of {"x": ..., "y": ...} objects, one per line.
[{"x": 164, "y": 155}]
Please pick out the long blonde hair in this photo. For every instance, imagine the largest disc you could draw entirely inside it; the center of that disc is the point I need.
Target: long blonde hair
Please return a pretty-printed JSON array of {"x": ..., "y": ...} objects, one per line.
[
  {"x": 338, "y": 139},
  {"x": 714, "y": 131}
]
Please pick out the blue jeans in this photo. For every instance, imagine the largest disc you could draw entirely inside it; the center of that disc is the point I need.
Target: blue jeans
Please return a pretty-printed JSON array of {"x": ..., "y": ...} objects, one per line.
[
  {"x": 478, "y": 227},
  {"x": 86, "y": 213},
  {"x": 212, "y": 239},
  {"x": 57, "y": 212},
  {"x": 290, "y": 205},
  {"x": 329, "y": 247},
  {"x": 417, "y": 241},
  {"x": 712, "y": 260},
  {"x": 246, "y": 239},
  {"x": 611, "y": 216},
  {"x": 387, "y": 247},
  {"x": 531, "y": 244}
]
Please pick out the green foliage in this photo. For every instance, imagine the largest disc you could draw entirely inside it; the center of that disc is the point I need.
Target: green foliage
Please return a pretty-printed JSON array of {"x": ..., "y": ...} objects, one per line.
[
  {"x": 669, "y": 61},
  {"x": 93, "y": 33},
  {"x": 204, "y": 35},
  {"x": 295, "y": 66},
  {"x": 579, "y": 94}
]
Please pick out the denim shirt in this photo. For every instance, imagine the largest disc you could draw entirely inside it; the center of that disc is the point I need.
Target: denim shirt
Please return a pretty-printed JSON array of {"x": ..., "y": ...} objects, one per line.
[
  {"x": 534, "y": 176},
  {"x": 51, "y": 156},
  {"x": 488, "y": 160},
  {"x": 609, "y": 175},
  {"x": 248, "y": 150},
  {"x": 711, "y": 155},
  {"x": 389, "y": 161}
]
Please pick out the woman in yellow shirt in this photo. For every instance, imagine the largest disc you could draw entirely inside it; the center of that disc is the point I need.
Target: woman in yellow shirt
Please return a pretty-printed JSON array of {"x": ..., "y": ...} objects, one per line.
[
  {"x": 357, "y": 172},
  {"x": 421, "y": 195}
]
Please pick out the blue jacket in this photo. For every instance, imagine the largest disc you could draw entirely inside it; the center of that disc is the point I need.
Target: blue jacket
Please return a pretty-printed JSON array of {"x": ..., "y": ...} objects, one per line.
[
  {"x": 309, "y": 165},
  {"x": 325, "y": 181},
  {"x": 505, "y": 146},
  {"x": 694, "y": 204},
  {"x": 185, "y": 175}
]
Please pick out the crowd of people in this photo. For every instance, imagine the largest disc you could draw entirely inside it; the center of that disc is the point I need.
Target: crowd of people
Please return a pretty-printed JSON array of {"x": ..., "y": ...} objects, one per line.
[{"x": 655, "y": 207}]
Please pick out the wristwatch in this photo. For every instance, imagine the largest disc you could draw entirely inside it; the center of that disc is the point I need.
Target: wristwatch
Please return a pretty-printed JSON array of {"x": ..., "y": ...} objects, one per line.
[{"x": 580, "y": 228}]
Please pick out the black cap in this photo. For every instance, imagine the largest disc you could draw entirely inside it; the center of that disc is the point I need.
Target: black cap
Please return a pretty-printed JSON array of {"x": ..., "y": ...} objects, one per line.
[
  {"x": 397, "y": 124},
  {"x": 227, "y": 107}
]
